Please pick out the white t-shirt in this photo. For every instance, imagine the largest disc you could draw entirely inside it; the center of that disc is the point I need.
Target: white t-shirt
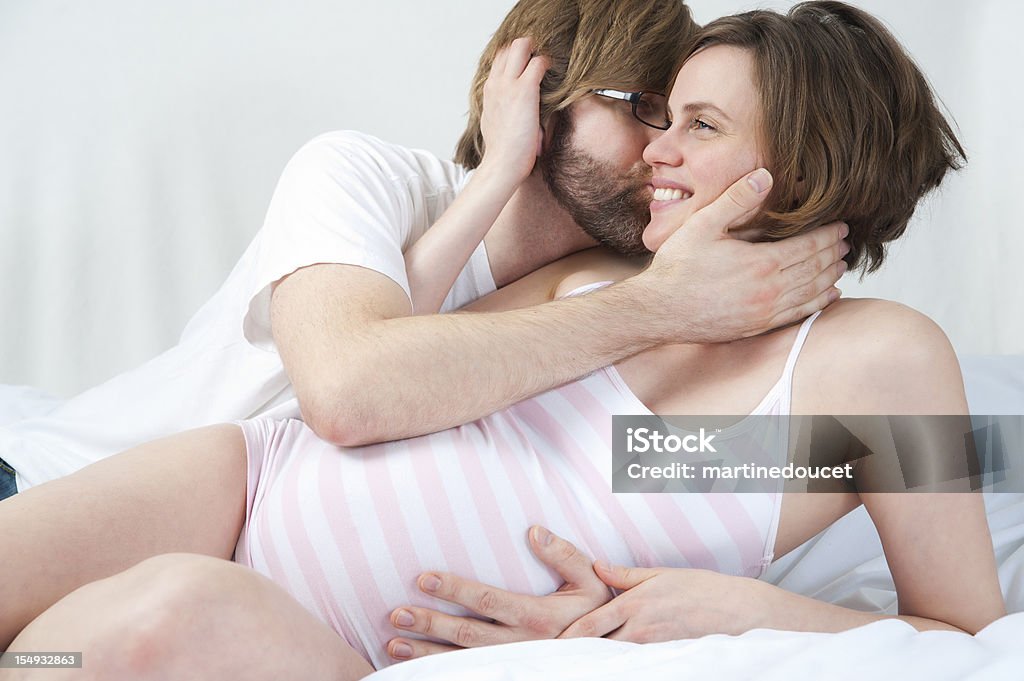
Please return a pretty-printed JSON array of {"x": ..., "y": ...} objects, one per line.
[{"x": 344, "y": 198}]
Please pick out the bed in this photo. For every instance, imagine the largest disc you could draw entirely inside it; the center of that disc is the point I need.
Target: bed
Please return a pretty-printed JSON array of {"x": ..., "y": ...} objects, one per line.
[{"x": 883, "y": 650}]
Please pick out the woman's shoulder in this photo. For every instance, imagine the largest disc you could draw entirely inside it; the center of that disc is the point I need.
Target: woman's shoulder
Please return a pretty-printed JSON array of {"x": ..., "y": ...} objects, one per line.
[
  {"x": 873, "y": 324},
  {"x": 879, "y": 356},
  {"x": 594, "y": 265}
]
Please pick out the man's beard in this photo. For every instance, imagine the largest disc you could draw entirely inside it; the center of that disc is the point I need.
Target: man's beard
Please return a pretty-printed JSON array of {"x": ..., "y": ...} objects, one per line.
[{"x": 612, "y": 209}]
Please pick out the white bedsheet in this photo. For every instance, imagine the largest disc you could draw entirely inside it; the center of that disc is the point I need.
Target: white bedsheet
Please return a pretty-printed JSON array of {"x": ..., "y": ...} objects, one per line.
[
  {"x": 23, "y": 401},
  {"x": 890, "y": 649}
]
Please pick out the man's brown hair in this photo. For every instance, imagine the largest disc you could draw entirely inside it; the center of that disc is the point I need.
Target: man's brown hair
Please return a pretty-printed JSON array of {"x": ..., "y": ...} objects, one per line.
[
  {"x": 850, "y": 128},
  {"x": 620, "y": 44}
]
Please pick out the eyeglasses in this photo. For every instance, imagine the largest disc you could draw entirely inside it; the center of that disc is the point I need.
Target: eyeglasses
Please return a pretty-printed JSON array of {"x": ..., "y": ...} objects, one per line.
[{"x": 650, "y": 108}]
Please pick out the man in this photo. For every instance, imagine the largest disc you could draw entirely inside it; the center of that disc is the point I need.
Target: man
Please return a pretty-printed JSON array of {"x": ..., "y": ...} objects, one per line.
[{"x": 342, "y": 339}]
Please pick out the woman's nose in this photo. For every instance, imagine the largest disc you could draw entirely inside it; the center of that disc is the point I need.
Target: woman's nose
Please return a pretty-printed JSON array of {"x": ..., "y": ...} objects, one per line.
[{"x": 663, "y": 149}]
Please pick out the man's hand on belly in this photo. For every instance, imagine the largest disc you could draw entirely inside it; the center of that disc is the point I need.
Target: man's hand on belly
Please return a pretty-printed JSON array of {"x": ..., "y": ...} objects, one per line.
[{"x": 514, "y": 617}]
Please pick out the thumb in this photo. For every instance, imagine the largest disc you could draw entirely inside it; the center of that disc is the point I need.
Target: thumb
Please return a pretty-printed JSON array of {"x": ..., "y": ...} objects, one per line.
[
  {"x": 619, "y": 577},
  {"x": 563, "y": 557},
  {"x": 736, "y": 205}
]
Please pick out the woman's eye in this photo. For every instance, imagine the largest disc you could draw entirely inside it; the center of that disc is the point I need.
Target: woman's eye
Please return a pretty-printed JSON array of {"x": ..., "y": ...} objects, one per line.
[{"x": 698, "y": 124}]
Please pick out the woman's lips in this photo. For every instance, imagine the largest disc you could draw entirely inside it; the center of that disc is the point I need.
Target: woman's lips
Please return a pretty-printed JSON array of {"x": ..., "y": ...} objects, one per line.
[
  {"x": 665, "y": 194},
  {"x": 664, "y": 204}
]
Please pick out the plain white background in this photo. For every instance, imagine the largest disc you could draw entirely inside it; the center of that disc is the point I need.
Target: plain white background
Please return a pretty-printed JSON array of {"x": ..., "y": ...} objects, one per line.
[{"x": 141, "y": 143}]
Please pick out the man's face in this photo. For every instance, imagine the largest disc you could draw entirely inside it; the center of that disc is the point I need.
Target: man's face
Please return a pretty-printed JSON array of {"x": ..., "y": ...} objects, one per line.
[{"x": 595, "y": 170}]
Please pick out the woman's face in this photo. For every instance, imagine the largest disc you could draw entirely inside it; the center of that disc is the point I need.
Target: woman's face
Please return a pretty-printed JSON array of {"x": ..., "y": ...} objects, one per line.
[{"x": 713, "y": 140}]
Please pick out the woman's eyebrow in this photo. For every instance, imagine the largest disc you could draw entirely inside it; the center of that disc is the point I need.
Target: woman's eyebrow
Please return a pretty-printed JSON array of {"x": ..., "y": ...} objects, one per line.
[{"x": 694, "y": 107}]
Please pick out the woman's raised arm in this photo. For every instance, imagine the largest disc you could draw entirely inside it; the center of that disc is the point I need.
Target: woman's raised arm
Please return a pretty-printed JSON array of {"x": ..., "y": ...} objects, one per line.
[{"x": 512, "y": 135}]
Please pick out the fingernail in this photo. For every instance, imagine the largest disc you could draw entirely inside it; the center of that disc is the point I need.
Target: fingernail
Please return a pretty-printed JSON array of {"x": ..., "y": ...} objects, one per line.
[
  {"x": 602, "y": 566},
  {"x": 404, "y": 618},
  {"x": 845, "y": 250},
  {"x": 542, "y": 536},
  {"x": 846, "y": 230},
  {"x": 431, "y": 583},
  {"x": 842, "y": 267},
  {"x": 760, "y": 180},
  {"x": 834, "y": 294},
  {"x": 402, "y": 651}
]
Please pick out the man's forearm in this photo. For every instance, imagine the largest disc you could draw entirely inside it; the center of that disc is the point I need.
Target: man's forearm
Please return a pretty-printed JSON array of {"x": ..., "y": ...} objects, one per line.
[
  {"x": 452, "y": 369},
  {"x": 416, "y": 375}
]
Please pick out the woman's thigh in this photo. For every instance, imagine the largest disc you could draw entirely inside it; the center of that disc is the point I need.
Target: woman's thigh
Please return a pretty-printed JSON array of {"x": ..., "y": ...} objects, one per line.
[
  {"x": 184, "y": 493},
  {"x": 182, "y": 616}
]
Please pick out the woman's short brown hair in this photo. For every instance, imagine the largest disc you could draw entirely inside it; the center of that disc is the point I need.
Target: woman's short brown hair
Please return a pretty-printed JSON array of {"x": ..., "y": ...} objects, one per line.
[
  {"x": 622, "y": 44},
  {"x": 850, "y": 128}
]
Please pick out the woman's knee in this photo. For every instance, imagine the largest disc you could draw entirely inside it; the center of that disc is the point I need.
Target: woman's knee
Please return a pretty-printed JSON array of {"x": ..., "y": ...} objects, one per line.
[
  {"x": 173, "y": 576},
  {"x": 182, "y": 597},
  {"x": 165, "y": 614},
  {"x": 191, "y": 616},
  {"x": 126, "y": 625}
]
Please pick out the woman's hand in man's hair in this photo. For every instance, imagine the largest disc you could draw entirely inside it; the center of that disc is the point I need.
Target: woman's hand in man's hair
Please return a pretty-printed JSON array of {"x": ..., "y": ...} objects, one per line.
[
  {"x": 513, "y": 617},
  {"x": 510, "y": 124}
]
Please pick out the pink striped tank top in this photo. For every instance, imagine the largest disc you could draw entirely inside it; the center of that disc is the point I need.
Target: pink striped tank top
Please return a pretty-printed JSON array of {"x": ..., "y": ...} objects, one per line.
[{"x": 347, "y": 531}]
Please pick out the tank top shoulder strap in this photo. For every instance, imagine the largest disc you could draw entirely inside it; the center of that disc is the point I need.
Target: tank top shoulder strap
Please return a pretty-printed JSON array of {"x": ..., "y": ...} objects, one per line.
[
  {"x": 586, "y": 288},
  {"x": 786, "y": 381},
  {"x": 798, "y": 344}
]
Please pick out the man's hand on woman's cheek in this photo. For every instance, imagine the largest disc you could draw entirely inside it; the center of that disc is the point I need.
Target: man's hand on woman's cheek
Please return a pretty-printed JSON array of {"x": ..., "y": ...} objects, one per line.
[
  {"x": 708, "y": 286},
  {"x": 514, "y": 617}
]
